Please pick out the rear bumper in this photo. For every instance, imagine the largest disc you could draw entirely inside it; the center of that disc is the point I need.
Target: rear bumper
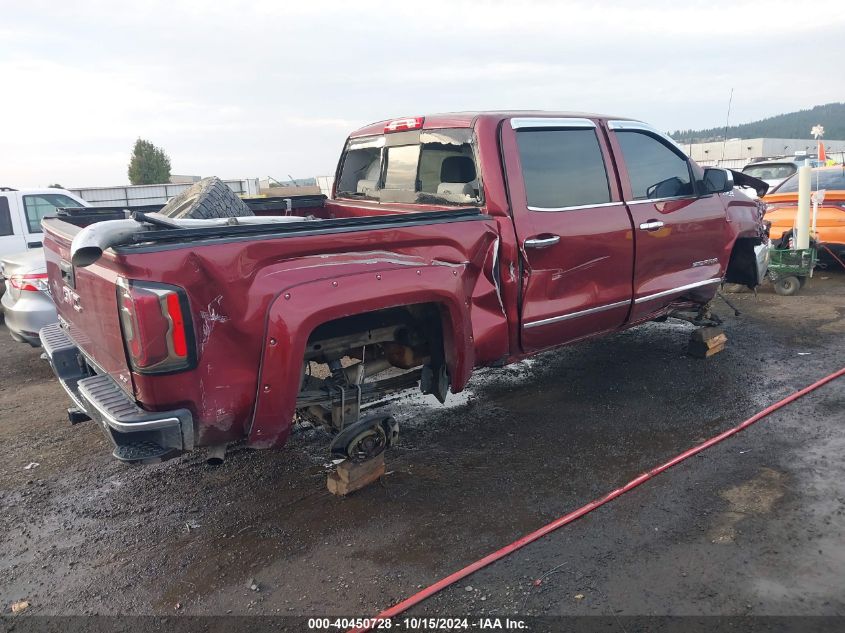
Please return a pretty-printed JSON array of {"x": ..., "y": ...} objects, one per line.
[{"x": 136, "y": 434}]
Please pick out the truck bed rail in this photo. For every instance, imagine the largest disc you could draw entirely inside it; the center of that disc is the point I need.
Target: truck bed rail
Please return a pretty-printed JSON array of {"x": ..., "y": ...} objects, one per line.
[{"x": 336, "y": 225}]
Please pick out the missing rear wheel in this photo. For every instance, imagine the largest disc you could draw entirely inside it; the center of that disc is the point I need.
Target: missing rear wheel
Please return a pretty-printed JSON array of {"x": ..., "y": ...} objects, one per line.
[{"x": 366, "y": 438}]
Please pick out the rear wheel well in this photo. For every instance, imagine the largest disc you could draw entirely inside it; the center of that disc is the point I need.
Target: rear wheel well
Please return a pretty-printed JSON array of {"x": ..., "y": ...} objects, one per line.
[
  {"x": 416, "y": 326},
  {"x": 359, "y": 359},
  {"x": 742, "y": 265}
]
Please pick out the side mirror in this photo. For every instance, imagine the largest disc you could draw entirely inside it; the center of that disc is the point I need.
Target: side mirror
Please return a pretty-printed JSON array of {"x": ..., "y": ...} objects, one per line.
[
  {"x": 717, "y": 180},
  {"x": 761, "y": 187}
]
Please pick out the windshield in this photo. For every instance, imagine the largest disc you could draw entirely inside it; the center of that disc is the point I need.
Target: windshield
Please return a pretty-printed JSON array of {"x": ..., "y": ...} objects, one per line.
[
  {"x": 428, "y": 167},
  {"x": 832, "y": 179},
  {"x": 778, "y": 171}
]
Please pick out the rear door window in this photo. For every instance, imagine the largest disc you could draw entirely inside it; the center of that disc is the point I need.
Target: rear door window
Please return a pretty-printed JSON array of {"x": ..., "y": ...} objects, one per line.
[
  {"x": 655, "y": 170},
  {"x": 6, "y": 227},
  {"x": 38, "y": 206},
  {"x": 562, "y": 168}
]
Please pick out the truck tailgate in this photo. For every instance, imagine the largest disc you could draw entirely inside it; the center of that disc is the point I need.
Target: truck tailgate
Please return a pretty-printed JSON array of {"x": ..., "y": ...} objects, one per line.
[{"x": 86, "y": 300}]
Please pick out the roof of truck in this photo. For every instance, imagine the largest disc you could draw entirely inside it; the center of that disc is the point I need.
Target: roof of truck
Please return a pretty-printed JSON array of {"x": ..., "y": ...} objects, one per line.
[
  {"x": 38, "y": 190},
  {"x": 467, "y": 119}
]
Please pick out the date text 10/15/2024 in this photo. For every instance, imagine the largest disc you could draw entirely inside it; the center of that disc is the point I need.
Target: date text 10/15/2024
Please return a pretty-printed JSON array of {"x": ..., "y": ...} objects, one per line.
[{"x": 417, "y": 624}]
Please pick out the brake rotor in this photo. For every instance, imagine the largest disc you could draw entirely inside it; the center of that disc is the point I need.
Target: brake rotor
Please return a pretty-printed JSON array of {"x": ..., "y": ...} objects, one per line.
[
  {"x": 367, "y": 444},
  {"x": 365, "y": 438}
]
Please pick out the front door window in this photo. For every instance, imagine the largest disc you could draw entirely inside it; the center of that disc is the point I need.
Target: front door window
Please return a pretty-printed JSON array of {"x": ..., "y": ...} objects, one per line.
[{"x": 655, "y": 171}]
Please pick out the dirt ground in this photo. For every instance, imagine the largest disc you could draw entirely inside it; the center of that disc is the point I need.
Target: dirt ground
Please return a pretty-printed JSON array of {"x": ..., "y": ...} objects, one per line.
[{"x": 755, "y": 525}]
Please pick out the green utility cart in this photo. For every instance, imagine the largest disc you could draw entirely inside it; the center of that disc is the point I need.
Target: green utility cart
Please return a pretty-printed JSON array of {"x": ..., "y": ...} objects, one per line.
[{"x": 789, "y": 268}]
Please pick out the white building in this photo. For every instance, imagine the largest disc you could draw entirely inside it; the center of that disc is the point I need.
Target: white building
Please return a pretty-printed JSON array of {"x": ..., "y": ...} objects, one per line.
[
  {"x": 737, "y": 152},
  {"x": 140, "y": 195}
]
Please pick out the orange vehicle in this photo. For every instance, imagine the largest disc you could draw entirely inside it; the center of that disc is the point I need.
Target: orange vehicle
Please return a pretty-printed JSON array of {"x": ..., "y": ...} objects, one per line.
[{"x": 782, "y": 207}]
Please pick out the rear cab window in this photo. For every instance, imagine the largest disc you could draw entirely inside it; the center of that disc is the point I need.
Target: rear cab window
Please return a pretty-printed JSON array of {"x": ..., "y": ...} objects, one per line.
[{"x": 436, "y": 166}]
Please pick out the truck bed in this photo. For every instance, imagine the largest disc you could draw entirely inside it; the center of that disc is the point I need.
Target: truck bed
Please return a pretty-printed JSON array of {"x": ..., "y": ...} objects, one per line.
[{"x": 233, "y": 275}]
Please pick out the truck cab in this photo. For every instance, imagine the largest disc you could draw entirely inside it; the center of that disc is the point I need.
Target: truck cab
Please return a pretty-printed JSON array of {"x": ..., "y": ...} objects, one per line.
[
  {"x": 21, "y": 212},
  {"x": 451, "y": 242}
]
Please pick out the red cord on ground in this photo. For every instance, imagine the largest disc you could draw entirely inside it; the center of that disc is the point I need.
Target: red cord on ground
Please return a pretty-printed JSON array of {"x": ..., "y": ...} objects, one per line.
[
  {"x": 841, "y": 263},
  {"x": 406, "y": 604}
]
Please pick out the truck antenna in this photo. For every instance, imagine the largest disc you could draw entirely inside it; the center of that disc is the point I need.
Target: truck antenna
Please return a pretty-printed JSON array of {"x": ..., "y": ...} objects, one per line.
[{"x": 727, "y": 120}]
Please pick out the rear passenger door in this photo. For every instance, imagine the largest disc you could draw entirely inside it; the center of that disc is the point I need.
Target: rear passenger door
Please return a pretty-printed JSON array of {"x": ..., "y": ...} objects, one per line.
[
  {"x": 573, "y": 229},
  {"x": 11, "y": 231},
  {"x": 680, "y": 236}
]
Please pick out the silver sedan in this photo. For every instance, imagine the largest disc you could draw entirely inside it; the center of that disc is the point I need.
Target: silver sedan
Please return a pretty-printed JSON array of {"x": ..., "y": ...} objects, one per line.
[{"x": 27, "y": 304}]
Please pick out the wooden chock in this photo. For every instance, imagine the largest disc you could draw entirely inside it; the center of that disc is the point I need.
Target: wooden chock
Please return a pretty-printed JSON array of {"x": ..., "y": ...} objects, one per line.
[
  {"x": 350, "y": 476},
  {"x": 706, "y": 341}
]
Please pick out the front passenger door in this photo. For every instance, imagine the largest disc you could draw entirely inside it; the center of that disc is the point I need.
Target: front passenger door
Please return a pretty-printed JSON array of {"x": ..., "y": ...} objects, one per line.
[{"x": 680, "y": 237}]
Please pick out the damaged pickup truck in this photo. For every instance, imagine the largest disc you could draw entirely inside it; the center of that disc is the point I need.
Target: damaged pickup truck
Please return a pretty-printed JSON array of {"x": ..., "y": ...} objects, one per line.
[{"x": 450, "y": 242}]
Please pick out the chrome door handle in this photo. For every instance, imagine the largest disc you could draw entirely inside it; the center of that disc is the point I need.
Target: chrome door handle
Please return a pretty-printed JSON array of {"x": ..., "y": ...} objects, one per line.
[
  {"x": 651, "y": 225},
  {"x": 542, "y": 242}
]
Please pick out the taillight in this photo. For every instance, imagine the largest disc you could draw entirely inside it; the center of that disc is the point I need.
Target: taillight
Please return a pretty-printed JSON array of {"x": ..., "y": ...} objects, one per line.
[
  {"x": 29, "y": 283},
  {"x": 400, "y": 125},
  {"x": 156, "y": 326}
]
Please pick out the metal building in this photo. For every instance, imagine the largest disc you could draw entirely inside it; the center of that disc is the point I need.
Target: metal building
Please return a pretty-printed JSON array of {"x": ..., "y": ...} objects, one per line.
[
  {"x": 140, "y": 195},
  {"x": 737, "y": 152}
]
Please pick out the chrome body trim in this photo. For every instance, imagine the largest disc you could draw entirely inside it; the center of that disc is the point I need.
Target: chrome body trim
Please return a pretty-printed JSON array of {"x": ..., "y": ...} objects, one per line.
[
  {"x": 652, "y": 200},
  {"x": 541, "y": 122},
  {"x": 129, "y": 427},
  {"x": 577, "y": 207},
  {"x": 575, "y": 315},
  {"x": 619, "y": 304},
  {"x": 644, "y": 127},
  {"x": 706, "y": 262},
  {"x": 541, "y": 242},
  {"x": 630, "y": 125},
  {"x": 664, "y": 293}
]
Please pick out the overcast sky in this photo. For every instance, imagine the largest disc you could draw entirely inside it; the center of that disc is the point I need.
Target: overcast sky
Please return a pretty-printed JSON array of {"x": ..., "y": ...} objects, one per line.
[{"x": 273, "y": 87}]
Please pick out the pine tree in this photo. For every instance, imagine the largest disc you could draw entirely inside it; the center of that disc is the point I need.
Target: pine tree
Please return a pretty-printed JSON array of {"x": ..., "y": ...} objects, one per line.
[{"x": 149, "y": 164}]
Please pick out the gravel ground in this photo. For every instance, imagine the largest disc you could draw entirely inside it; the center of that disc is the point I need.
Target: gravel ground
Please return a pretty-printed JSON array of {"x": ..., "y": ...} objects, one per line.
[{"x": 752, "y": 526}]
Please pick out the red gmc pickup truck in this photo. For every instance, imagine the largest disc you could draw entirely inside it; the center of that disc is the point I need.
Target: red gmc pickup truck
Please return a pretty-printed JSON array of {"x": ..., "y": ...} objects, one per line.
[{"x": 450, "y": 242}]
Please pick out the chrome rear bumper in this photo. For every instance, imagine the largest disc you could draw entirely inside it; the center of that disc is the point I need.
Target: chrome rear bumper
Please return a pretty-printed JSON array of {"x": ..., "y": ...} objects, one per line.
[{"x": 137, "y": 435}]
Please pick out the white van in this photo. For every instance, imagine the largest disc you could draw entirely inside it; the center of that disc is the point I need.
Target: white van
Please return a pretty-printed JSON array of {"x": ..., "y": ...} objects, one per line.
[{"x": 21, "y": 213}]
